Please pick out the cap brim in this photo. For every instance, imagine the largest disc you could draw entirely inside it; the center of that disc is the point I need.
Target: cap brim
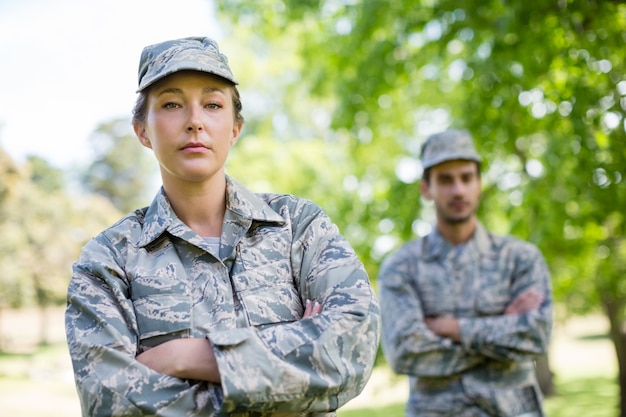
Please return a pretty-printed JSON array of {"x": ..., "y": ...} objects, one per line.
[
  {"x": 455, "y": 157},
  {"x": 189, "y": 66}
]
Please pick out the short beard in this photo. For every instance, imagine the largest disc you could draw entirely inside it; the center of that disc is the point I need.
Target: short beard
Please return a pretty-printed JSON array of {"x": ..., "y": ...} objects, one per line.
[{"x": 456, "y": 220}]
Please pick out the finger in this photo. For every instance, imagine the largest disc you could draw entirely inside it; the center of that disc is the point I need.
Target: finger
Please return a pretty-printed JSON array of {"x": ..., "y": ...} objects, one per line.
[
  {"x": 308, "y": 308},
  {"x": 430, "y": 323},
  {"x": 525, "y": 302},
  {"x": 515, "y": 306},
  {"x": 317, "y": 308},
  {"x": 536, "y": 301},
  {"x": 522, "y": 298},
  {"x": 530, "y": 300}
]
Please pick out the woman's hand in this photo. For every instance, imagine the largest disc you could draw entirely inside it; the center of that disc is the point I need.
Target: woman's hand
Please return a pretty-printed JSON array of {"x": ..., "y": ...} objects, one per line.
[
  {"x": 311, "y": 309},
  {"x": 183, "y": 358},
  {"x": 194, "y": 358}
]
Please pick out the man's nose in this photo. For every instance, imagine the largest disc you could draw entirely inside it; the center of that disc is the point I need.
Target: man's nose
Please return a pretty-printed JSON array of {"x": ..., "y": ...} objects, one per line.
[{"x": 458, "y": 186}]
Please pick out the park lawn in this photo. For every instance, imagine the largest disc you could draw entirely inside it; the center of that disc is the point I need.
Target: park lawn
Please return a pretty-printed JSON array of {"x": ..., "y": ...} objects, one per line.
[
  {"x": 596, "y": 396},
  {"x": 40, "y": 383},
  {"x": 583, "y": 396},
  {"x": 393, "y": 410}
]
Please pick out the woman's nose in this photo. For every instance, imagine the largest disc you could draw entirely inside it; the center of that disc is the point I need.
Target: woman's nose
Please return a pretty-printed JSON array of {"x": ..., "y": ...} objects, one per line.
[{"x": 194, "y": 124}]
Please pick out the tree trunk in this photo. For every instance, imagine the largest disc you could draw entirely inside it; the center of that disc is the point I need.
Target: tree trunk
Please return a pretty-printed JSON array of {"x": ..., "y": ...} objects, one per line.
[
  {"x": 544, "y": 375},
  {"x": 44, "y": 324},
  {"x": 614, "y": 309},
  {"x": 42, "y": 303},
  {"x": 1, "y": 329}
]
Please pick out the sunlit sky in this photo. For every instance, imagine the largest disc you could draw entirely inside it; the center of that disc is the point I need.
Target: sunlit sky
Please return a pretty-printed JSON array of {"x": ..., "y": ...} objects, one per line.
[{"x": 68, "y": 65}]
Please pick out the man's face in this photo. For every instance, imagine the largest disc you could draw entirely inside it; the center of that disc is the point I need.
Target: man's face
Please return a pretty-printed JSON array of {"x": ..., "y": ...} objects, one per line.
[{"x": 455, "y": 188}]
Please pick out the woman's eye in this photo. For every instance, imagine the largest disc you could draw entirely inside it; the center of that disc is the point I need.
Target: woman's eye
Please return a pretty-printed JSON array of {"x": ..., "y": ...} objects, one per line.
[
  {"x": 214, "y": 106},
  {"x": 170, "y": 105}
]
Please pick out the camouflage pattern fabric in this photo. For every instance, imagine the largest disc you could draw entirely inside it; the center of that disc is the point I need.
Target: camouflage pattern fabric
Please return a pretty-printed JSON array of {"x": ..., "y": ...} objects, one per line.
[
  {"x": 450, "y": 145},
  {"x": 491, "y": 372},
  {"x": 194, "y": 53},
  {"x": 149, "y": 279}
]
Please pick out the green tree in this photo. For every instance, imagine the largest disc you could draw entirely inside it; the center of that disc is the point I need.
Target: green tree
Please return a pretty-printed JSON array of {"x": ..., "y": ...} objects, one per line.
[
  {"x": 122, "y": 170},
  {"x": 542, "y": 87},
  {"x": 9, "y": 180},
  {"x": 47, "y": 177},
  {"x": 43, "y": 228}
]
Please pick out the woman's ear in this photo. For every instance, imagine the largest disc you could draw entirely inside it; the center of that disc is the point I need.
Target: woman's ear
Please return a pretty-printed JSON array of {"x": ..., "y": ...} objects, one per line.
[
  {"x": 236, "y": 131},
  {"x": 140, "y": 131}
]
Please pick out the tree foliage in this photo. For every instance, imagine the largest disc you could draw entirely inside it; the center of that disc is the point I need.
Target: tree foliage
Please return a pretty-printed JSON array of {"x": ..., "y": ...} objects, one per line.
[
  {"x": 121, "y": 170},
  {"x": 540, "y": 85},
  {"x": 43, "y": 227},
  {"x": 339, "y": 96}
]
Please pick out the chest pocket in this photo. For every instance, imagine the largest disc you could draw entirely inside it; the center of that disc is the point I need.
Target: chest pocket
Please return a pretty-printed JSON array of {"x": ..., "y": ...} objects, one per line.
[
  {"x": 263, "y": 281},
  {"x": 493, "y": 292},
  {"x": 163, "y": 309},
  {"x": 436, "y": 289}
]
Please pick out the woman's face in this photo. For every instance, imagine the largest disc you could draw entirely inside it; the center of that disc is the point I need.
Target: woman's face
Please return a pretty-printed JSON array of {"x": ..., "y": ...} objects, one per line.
[{"x": 190, "y": 126}]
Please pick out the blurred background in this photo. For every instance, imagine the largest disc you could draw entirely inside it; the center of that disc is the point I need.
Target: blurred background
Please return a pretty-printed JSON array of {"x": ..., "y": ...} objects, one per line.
[{"x": 338, "y": 96}]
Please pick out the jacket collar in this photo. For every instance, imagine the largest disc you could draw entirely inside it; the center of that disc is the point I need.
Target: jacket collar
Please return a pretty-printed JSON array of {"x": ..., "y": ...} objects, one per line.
[
  {"x": 435, "y": 246},
  {"x": 242, "y": 209}
]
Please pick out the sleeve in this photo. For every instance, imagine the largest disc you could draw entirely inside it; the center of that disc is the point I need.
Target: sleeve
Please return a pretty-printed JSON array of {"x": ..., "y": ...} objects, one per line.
[
  {"x": 101, "y": 332},
  {"x": 515, "y": 336},
  {"x": 409, "y": 346},
  {"x": 315, "y": 364}
]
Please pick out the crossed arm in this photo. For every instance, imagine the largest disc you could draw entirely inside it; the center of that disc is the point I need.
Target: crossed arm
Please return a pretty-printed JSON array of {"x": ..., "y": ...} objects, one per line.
[
  {"x": 448, "y": 326},
  {"x": 194, "y": 358}
]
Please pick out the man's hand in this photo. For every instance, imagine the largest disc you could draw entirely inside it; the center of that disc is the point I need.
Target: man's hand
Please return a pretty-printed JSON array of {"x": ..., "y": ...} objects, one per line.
[
  {"x": 525, "y": 302},
  {"x": 183, "y": 358},
  {"x": 444, "y": 326}
]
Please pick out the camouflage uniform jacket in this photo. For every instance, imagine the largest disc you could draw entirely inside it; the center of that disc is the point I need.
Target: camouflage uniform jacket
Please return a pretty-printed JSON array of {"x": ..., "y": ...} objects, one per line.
[
  {"x": 149, "y": 278},
  {"x": 491, "y": 371}
]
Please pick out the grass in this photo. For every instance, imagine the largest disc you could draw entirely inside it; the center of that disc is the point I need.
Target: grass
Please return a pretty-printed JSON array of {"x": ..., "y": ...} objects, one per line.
[
  {"x": 393, "y": 410},
  {"x": 39, "y": 381},
  {"x": 589, "y": 397},
  {"x": 44, "y": 374}
]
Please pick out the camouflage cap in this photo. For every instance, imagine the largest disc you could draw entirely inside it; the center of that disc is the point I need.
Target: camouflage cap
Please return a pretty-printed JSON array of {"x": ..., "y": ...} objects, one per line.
[
  {"x": 193, "y": 53},
  {"x": 448, "y": 146}
]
